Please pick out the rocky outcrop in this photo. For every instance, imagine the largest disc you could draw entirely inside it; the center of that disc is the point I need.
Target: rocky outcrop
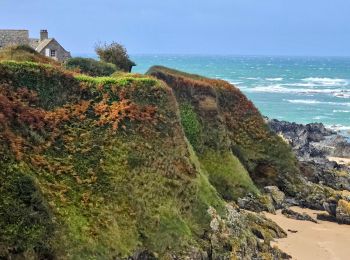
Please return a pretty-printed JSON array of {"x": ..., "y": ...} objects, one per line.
[
  {"x": 247, "y": 234},
  {"x": 338, "y": 207},
  {"x": 277, "y": 196},
  {"x": 296, "y": 215},
  {"x": 257, "y": 203},
  {"x": 313, "y": 144},
  {"x": 312, "y": 141}
]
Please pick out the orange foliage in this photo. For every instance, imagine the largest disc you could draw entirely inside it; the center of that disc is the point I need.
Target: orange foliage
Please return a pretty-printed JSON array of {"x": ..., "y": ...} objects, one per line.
[
  {"x": 116, "y": 112},
  {"x": 20, "y": 117}
]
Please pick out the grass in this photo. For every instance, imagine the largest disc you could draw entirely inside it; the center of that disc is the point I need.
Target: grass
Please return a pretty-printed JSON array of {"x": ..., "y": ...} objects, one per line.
[
  {"x": 23, "y": 53},
  {"x": 218, "y": 118},
  {"x": 227, "y": 174},
  {"x": 103, "y": 193},
  {"x": 86, "y": 190}
]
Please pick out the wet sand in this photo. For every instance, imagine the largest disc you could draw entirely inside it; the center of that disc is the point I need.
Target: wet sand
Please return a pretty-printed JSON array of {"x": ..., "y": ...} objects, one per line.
[{"x": 323, "y": 241}]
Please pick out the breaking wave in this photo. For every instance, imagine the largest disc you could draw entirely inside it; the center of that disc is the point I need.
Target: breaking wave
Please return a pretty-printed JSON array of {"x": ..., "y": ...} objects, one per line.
[
  {"x": 280, "y": 88},
  {"x": 313, "y": 101}
]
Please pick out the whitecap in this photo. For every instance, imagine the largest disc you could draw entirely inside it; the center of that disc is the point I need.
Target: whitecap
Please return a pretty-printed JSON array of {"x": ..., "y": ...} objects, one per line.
[
  {"x": 274, "y": 79},
  {"x": 342, "y": 95},
  {"x": 313, "y": 101},
  {"x": 326, "y": 81},
  {"x": 341, "y": 111},
  {"x": 339, "y": 127},
  {"x": 319, "y": 117},
  {"x": 303, "y": 101},
  {"x": 281, "y": 88}
]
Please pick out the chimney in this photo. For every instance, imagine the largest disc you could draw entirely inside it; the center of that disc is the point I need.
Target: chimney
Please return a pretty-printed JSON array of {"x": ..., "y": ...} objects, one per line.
[{"x": 44, "y": 35}]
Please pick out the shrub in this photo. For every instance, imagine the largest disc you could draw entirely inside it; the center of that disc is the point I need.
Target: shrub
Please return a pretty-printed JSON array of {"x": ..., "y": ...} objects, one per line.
[
  {"x": 91, "y": 67},
  {"x": 116, "y": 54}
]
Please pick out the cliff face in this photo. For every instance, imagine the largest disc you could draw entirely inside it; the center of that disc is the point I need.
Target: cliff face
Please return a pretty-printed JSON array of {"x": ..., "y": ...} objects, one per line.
[
  {"x": 229, "y": 128},
  {"x": 101, "y": 168}
]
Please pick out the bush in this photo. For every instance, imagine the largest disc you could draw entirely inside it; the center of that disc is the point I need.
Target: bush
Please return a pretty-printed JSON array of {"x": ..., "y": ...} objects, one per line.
[
  {"x": 116, "y": 54},
  {"x": 91, "y": 67}
]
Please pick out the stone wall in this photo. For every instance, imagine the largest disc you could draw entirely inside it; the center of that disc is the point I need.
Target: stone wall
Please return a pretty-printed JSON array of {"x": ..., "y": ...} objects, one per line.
[{"x": 13, "y": 37}]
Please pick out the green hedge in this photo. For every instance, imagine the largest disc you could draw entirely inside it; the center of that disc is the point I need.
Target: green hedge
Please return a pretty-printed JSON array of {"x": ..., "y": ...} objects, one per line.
[{"x": 91, "y": 67}]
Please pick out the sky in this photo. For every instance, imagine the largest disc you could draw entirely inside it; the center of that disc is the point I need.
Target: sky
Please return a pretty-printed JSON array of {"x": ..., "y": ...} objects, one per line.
[{"x": 224, "y": 27}]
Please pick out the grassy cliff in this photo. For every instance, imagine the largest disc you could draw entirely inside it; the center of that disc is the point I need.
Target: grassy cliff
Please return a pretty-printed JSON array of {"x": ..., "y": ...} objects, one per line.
[
  {"x": 230, "y": 135},
  {"x": 112, "y": 167},
  {"x": 95, "y": 166}
]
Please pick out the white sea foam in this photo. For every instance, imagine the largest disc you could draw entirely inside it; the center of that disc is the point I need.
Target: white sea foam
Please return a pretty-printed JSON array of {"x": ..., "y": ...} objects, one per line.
[
  {"x": 313, "y": 101},
  {"x": 319, "y": 117},
  {"x": 303, "y": 101},
  {"x": 342, "y": 95},
  {"x": 339, "y": 127},
  {"x": 326, "y": 82},
  {"x": 341, "y": 111},
  {"x": 274, "y": 79},
  {"x": 251, "y": 78},
  {"x": 281, "y": 88}
]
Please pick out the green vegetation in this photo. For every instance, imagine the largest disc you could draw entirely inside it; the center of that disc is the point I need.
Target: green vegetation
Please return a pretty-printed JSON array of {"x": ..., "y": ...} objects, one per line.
[
  {"x": 90, "y": 67},
  {"x": 97, "y": 191},
  {"x": 191, "y": 125},
  {"x": 231, "y": 127},
  {"x": 227, "y": 174},
  {"x": 24, "y": 53},
  {"x": 106, "y": 167},
  {"x": 116, "y": 54}
]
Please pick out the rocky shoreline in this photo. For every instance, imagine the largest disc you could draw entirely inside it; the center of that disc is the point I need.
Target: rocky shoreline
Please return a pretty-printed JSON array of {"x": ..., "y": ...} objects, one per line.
[
  {"x": 315, "y": 146},
  {"x": 326, "y": 183}
]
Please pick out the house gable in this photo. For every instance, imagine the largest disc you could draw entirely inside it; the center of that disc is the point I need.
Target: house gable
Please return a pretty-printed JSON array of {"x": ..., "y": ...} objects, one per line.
[
  {"x": 44, "y": 45},
  {"x": 51, "y": 48}
]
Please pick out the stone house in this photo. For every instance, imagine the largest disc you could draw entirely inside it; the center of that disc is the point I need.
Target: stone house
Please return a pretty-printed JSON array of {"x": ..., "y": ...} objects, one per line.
[{"x": 49, "y": 47}]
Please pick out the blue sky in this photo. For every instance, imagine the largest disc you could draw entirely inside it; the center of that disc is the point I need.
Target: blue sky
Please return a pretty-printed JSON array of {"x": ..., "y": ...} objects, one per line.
[{"x": 256, "y": 27}]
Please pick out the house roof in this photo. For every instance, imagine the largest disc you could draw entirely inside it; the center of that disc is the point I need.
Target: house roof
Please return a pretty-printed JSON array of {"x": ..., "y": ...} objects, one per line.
[{"x": 43, "y": 44}]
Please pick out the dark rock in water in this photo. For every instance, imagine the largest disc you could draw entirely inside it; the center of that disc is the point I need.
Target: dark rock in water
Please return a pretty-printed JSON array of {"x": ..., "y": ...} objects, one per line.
[{"x": 295, "y": 215}]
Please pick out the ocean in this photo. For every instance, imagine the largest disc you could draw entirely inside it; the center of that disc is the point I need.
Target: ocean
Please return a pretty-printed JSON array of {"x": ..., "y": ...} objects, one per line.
[{"x": 296, "y": 89}]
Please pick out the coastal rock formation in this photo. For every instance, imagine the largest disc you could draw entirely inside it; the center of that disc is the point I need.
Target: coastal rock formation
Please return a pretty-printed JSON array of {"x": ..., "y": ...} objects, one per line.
[
  {"x": 311, "y": 141},
  {"x": 277, "y": 196},
  {"x": 225, "y": 124},
  {"x": 295, "y": 215},
  {"x": 313, "y": 144}
]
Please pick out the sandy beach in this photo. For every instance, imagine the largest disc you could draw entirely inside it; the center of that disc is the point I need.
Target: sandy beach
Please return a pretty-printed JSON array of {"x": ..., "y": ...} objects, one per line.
[
  {"x": 323, "y": 241},
  {"x": 340, "y": 160}
]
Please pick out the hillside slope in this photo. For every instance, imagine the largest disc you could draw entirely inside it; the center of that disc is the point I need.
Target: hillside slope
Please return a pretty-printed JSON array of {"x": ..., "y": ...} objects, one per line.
[
  {"x": 100, "y": 168},
  {"x": 228, "y": 127}
]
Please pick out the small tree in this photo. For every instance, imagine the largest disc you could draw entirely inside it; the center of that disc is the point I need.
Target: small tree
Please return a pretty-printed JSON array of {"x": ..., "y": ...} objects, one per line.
[{"x": 116, "y": 54}]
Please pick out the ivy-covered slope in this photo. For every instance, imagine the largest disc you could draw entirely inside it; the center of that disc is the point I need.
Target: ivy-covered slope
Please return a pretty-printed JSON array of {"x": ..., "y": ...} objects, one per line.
[
  {"x": 100, "y": 168},
  {"x": 230, "y": 135},
  {"x": 95, "y": 167}
]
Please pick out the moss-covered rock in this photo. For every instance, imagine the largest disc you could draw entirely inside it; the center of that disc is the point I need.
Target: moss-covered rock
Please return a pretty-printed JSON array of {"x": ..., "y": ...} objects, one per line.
[{"x": 225, "y": 124}]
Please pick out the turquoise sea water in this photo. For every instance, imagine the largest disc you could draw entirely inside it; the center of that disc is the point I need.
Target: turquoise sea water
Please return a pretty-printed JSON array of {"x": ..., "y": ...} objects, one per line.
[{"x": 297, "y": 89}]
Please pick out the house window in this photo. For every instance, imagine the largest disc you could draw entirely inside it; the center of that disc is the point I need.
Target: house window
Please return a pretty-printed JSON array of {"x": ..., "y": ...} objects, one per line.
[{"x": 52, "y": 53}]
